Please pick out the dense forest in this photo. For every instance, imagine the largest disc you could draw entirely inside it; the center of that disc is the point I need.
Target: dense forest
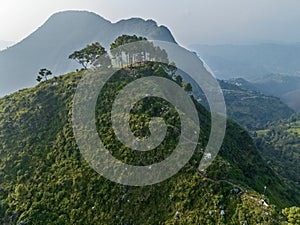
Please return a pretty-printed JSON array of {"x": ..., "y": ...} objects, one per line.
[{"x": 45, "y": 180}]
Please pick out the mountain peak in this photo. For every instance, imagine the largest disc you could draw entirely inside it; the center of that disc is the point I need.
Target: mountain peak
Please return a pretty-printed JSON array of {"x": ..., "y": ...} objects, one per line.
[
  {"x": 74, "y": 14},
  {"x": 63, "y": 33}
]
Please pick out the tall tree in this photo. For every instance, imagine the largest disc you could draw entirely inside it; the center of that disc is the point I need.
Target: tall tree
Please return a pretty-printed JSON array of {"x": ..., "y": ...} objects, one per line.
[
  {"x": 119, "y": 49},
  {"x": 92, "y": 55},
  {"x": 143, "y": 51}
]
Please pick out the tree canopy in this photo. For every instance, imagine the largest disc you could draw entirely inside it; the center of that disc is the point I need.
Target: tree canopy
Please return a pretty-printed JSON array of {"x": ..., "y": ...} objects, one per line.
[
  {"x": 92, "y": 55},
  {"x": 292, "y": 214}
]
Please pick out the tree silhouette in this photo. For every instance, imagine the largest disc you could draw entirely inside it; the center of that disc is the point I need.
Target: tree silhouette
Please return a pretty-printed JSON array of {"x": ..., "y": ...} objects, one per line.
[
  {"x": 43, "y": 74},
  {"x": 92, "y": 55}
]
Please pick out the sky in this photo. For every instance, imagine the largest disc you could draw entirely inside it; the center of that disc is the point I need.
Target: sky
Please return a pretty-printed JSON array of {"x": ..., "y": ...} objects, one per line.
[{"x": 190, "y": 21}]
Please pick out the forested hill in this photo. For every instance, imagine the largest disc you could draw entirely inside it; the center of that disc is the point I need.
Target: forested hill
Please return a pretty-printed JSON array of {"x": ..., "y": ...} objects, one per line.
[
  {"x": 51, "y": 44},
  {"x": 45, "y": 180}
]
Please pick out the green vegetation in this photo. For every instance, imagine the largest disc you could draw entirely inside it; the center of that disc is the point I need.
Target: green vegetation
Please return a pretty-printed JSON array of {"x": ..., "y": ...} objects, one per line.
[
  {"x": 45, "y": 180},
  {"x": 292, "y": 214},
  {"x": 279, "y": 144}
]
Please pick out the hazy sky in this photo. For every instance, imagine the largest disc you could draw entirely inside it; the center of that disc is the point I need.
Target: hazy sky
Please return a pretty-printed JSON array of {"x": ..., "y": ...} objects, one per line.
[{"x": 191, "y": 21}]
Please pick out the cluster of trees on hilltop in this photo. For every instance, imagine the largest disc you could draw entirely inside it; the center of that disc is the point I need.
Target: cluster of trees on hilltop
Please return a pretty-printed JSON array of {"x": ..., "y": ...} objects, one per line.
[
  {"x": 95, "y": 55},
  {"x": 143, "y": 51},
  {"x": 122, "y": 53}
]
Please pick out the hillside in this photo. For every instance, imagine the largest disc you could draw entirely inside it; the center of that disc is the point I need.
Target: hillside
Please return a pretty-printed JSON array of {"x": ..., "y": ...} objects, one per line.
[
  {"x": 282, "y": 86},
  {"x": 45, "y": 180},
  {"x": 245, "y": 103},
  {"x": 51, "y": 44},
  {"x": 252, "y": 109},
  {"x": 279, "y": 145}
]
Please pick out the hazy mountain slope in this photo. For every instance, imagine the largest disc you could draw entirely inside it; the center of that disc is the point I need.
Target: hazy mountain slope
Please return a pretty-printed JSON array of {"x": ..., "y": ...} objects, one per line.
[
  {"x": 285, "y": 87},
  {"x": 5, "y": 44},
  {"x": 292, "y": 99},
  {"x": 45, "y": 180},
  {"x": 248, "y": 61},
  {"x": 51, "y": 44}
]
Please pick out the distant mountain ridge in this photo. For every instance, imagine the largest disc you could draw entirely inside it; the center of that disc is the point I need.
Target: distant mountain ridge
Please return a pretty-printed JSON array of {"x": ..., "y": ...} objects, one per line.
[
  {"x": 285, "y": 87},
  {"x": 63, "y": 33},
  {"x": 251, "y": 61}
]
